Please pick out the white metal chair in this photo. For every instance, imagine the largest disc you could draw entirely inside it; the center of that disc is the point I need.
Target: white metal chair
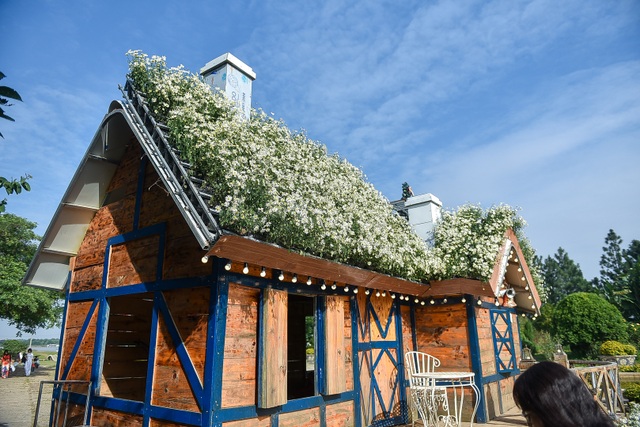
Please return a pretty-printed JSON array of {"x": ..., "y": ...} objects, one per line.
[{"x": 426, "y": 395}]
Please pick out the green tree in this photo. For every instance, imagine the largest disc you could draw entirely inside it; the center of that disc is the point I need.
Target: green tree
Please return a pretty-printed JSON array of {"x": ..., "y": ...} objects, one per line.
[
  {"x": 619, "y": 281},
  {"x": 26, "y": 308},
  {"x": 562, "y": 276},
  {"x": 584, "y": 320},
  {"x": 10, "y": 185}
]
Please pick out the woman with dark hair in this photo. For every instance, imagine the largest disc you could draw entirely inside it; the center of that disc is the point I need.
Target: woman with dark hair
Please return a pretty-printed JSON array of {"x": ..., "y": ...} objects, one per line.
[{"x": 550, "y": 395}]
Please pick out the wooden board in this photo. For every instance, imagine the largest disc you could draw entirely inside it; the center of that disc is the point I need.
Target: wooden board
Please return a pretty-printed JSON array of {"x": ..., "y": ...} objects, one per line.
[
  {"x": 273, "y": 386},
  {"x": 239, "y": 372},
  {"x": 340, "y": 415},
  {"x": 109, "y": 418},
  {"x": 335, "y": 351},
  {"x": 306, "y": 418}
]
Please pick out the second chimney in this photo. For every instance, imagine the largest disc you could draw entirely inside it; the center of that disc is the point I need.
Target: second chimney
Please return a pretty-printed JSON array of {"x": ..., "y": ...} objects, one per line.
[{"x": 423, "y": 211}]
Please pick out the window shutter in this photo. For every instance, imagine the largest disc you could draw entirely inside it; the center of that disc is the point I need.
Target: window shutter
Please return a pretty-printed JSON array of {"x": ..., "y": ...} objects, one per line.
[
  {"x": 335, "y": 372},
  {"x": 272, "y": 389}
]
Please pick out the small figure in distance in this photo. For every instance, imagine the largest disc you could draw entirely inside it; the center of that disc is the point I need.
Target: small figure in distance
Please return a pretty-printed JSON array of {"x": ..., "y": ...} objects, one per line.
[
  {"x": 551, "y": 395},
  {"x": 28, "y": 364}
]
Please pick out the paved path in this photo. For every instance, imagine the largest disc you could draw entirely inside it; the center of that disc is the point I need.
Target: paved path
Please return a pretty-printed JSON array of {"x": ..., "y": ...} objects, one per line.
[{"x": 20, "y": 395}]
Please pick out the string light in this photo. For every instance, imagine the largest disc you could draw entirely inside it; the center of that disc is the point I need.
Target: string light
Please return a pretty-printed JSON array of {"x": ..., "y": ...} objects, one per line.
[
  {"x": 377, "y": 293},
  {"x": 263, "y": 272},
  {"x": 432, "y": 301},
  {"x": 464, "y": 300},
  {"x": 422, "y": 302},
  {"x": 529, "y": 297},
  {"x": 334, "y": 286},
  {"x": 281, "y": 276},
  {"x": 323, "y": 286},
  {"x": 346, "y": 288},
  {"x": 533, "y": 306},
  {"x": 444, "y": 301},
  {"x": 526, "y": 288},
  {"x": 355, "y": 290},
  {"x": 416, "y": 300},
  {"x": 245, "y": 269},
  {"x": 367, "y": 291},
  {"x": 294, "y": 279},
  {"x": 497, "y": 303},
  {"x": 227, "y": 266},
  {"x": 393, "y": 296},
  {"x": 384, "y": 293},
  {"x": 309, "y": 281},
  {"x": 204, "y": 259},
  {"x": 479, "y": 302}
]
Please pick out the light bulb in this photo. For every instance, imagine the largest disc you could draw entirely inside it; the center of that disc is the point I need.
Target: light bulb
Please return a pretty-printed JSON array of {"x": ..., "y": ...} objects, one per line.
[
  {"x": 227, "y": 266},
  {"x": 355, "y": 290},
  {"x": 334, "y": 286},
  {"x": 377, "y": 293},
  {"x": 263, "y": 272},
  {"x": 245, "y": 270},
  {"x": 346, "y": 288},
  {"x": 444, "y": 301},
  {"x": 294, "y": 279},
  {"x": 281, "y": 276},
  {"x": 464, "y": 300},
  {"x": 479, "y": 301},
  {"x": 204, "y": 259},
  {"x": 323, "y": 286},
  {"x": 367, "y": 291},
  {"x": 384, "y": 293},
  {"x": 533, "y": 306},
  {"x": 432, "y": 301},
  {"x": 309, "y": 280},
  {"x": 393, "y": 296},
  {"x": 422, "y": 303},
  {"x": 497, "y": 303}
]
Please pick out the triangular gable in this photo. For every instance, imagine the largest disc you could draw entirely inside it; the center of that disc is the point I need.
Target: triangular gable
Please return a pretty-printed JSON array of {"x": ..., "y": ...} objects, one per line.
[
  {"x": 512, "y": 278},
  {"x": 87, "y": 191}
]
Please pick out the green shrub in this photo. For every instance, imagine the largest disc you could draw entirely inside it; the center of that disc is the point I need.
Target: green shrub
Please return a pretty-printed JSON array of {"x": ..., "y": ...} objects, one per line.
[
  {"x": 630, "y": 349},
  {"x": 583, "y": 320},
  {"x": 616, "y": 348},
  {"x": 632, "y": 392},
  {"x": 629, "y": 368}
]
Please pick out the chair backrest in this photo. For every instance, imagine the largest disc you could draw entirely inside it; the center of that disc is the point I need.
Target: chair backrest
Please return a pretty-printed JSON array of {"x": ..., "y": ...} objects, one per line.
[{"x": 418, "y": 362}]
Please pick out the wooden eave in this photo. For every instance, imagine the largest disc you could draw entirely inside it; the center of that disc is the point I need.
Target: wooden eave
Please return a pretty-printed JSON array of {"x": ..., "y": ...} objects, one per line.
[{"x": 245, "y": 249}]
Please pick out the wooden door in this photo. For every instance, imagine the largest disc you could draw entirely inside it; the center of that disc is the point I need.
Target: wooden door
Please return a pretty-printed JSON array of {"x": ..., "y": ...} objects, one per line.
[{"x": 382, "y": 396}]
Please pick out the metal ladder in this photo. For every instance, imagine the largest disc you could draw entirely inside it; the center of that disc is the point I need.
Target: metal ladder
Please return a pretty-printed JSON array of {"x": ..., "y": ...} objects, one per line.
[
  {"x": 59, "y": 390},
  {"x": 186, "y": 190}
]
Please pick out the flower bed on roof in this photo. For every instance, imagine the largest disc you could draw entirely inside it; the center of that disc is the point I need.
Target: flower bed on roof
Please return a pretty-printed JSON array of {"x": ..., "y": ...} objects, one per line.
[{"x": 281, "y": 187}]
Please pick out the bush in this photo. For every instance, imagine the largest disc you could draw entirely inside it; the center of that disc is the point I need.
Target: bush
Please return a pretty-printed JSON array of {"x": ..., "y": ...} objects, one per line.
[
  {"x": 629, "y": 368},
  {"x": 616, "y": 348},
  {"x": 632, "y": 392},
  {"x": 583, "y": 320}
]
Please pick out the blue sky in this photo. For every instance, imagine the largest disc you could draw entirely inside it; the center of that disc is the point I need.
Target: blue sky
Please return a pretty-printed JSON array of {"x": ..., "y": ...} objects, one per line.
[{"x": 535, "y": 104}]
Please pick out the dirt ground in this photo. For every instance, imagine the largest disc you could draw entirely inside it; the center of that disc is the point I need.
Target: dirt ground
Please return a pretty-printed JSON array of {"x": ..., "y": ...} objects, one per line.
[{"x": 20, "y": 395}]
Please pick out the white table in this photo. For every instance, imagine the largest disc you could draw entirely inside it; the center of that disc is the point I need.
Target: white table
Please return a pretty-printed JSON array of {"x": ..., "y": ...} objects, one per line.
[{"x": 442, "y": 381}]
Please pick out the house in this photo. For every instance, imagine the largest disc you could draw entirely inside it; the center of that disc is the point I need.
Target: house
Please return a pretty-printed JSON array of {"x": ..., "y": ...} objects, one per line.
[{"x": 177, "y": 321}]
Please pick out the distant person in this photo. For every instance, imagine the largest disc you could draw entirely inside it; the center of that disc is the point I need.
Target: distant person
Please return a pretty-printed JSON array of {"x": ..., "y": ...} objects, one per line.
[
  {"x": 28, "y": 364},
  {"x": 6, "y": 364},
  {"x": 551, "y": 395}
]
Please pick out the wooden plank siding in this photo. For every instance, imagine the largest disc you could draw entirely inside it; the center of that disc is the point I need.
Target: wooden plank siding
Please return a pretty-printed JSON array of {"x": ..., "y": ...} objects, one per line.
[
  {"x": 239, "y": 375},
  {"x": 443, "y": 332},
  {"x": 273, "y": 362},
  {"x": 336, "y": 381}
]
